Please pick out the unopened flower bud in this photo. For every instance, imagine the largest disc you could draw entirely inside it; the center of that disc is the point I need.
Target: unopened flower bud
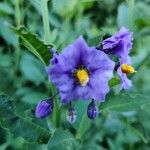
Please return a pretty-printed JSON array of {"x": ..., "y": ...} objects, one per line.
[
  {"x": 72, "y": 115},
  {"x": 92, "y": 110},
  {"x": 44, "y": 108}
]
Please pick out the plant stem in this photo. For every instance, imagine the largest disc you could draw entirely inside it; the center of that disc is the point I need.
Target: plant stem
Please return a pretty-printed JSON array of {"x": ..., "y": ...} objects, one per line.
[
  {"x": 131, "y": 17},
  {"x": 57, "y": 112},
  {"x": 58, "y": 115},
  {"x": 57, "y": 108},
  {"x": 17, "y": 13},
  {"x": 45, "y": 17},
  {"x": 18, "y": 20}
]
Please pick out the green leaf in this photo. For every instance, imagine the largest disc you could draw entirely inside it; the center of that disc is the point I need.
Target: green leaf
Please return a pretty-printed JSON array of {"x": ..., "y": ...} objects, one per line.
[
  {"x": 124, "y": 102},
  {"x": 6, "y": 32},
  {"x": 33, "y": 97},
  {"x": 33, "y": 44},
  {"x": 6, "y": 60},
  {"x": 114, "y": 81},
  {"x": 59, "y": 7},
  {"x": 83, "y": 122},
  {"x": 19, "y": 126},
  {"x": 36, "y": 72},
  {"x": 135, "y": 131},
  {"x": 96, "y": 41},
  {"x": 83, "y": 127},
  {"x": 142, "y": 23},
  {"x": 6, "y": 8},
  {"x": 61, "y": 140}
]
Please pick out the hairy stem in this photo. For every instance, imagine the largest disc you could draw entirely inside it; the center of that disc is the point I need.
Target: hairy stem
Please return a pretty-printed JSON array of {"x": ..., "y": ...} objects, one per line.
[
  {"x": 45, "y": 17},
  {"x": 131, "y": 17}
]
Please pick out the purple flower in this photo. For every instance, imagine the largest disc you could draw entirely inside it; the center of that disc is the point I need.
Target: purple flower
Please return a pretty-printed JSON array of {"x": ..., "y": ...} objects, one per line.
[
  {"x": 92, "y": 111},
  {"x": 81, "y": 72},
  {"x": 119, "y": 44},
  {"x": 44, "y": 108},
  {"x": 124, "y": 69}
]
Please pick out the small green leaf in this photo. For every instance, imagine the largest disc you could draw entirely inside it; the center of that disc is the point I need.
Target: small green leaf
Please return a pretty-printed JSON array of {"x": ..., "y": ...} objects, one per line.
[
  {"x": 33, "y": 44},
  {"x": 113, "y": 82},
  {"x": 36, "y": 72},
  {"x": 61, "y": 140},
  {"x": 124, "y": 102},
  {"x": 142, "y": 23},
  {"x": 19, "y": 126}
]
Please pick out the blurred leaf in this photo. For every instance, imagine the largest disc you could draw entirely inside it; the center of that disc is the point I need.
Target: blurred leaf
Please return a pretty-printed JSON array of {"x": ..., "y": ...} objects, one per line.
[
  {"x": 112, "y": 124},
  {"x": 124, "y": 102},
  {"x": 20, "y": 126},
  {"x": 37, "y": 5},
  {"x": 54, "y": 20},
  {"x": 32, "y": 69},
  {"x": 34, "y": 97},
  {"x": 6, "y": 8},
  {"x": 142, "y": 23},
  {"x": 87, "y": 4},
  {"x": 83, "y": 122},
  {"x": 61, "y": 140},
  {"x": 5, "y": 60},
  {"x": 91, "y": 146},
  {"x": 3, "y": 135},
  {"x": 7, "y": 33},
  {"x": 96, "y": 41},
  {"x": 59, "y": 5},
  {"x": 135, "y": 131},
  {"x": 4, "y": 146},
  {"x": 33, "y": 44},
  {"x": 6, "y": 80},
  {"x": 142, "y": 9}
]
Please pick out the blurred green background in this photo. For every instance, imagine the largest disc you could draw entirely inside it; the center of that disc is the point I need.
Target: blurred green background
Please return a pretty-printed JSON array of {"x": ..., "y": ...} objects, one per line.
[{"x": 23, "y": 76}]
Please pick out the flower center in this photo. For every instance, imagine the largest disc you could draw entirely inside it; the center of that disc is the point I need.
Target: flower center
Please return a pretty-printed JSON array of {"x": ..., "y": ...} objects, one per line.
[
  {"x": 82, "y": 76},
  {"x": 127, "y": 69}
]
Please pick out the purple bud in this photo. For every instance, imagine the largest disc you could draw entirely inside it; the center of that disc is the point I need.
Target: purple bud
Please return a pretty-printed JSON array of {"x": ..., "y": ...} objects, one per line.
[
  {"x": 72, "y": 115},
  {"x": 44, "y": 108},
  {"x": 92, "y": 111}
]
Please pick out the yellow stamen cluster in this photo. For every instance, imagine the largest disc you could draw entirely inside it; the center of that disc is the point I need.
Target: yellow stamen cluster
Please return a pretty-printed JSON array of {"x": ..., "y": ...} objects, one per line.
[
  {"x": 127, "y": 69},
  {"x": 82, "y": 77}
]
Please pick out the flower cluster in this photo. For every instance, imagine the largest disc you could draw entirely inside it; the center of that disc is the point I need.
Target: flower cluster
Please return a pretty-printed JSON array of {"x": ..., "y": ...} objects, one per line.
[
  {"x": 81, "y": 72},
  {"x": 120, "y": 45}
]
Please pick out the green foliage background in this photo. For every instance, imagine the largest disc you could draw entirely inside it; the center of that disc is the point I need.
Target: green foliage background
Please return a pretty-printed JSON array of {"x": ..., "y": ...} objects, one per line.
[{"x": 124, "y": 123}]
